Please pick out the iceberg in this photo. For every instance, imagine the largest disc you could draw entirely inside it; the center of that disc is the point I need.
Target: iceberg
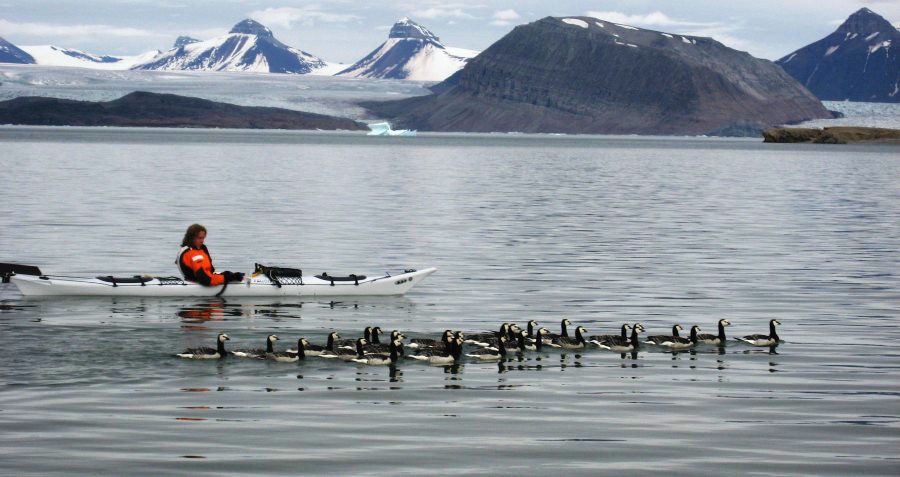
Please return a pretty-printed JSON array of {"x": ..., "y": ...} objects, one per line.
[{"x": 384, "y": 129}]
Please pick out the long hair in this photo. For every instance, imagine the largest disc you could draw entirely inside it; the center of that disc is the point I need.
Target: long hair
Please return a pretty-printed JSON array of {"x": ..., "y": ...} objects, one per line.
[{"x": 192, "y": 232}]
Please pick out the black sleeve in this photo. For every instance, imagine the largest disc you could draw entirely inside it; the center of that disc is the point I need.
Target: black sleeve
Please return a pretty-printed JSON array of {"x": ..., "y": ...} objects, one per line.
[{"x": 203, "y": 278}]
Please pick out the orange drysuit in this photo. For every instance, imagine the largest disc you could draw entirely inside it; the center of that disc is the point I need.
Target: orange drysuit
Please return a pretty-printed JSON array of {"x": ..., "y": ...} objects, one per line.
[{"x": 196, "y": 265}]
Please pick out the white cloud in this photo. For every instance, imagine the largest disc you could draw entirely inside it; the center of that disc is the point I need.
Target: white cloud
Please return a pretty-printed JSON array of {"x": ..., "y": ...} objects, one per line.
[
  {"x": 78, "y": 30},
  {"x": 287, "y": 16},
  {"x": 442, "y": 12},
  {"x": 724, "y": 33},
  {"x": 504, "y": 17},
  {"x": 652, "y": 19}
]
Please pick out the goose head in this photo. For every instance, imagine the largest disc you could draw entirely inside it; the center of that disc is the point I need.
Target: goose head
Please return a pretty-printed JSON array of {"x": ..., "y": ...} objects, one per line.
[
  {"x": 223, "y": 338},
  {"x": 579, "y": 332},
  {"x": 724, "y": 323}
]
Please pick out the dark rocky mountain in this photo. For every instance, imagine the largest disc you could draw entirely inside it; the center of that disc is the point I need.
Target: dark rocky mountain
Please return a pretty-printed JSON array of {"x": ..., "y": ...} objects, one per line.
[
  {"x": 142, "y": 109},
  {"x": 584, "y": 75},
  {"x": 411, "y": 52},
  {"x": 10, "y": 53},
  {"x": 860, "y": 61},
  {"x": 249, "y": 46},
  {"x": 184, "y": 40}
]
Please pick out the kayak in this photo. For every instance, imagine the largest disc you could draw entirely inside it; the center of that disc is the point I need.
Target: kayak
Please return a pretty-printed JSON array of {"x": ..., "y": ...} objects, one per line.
[{"x": 256, "y": 285}]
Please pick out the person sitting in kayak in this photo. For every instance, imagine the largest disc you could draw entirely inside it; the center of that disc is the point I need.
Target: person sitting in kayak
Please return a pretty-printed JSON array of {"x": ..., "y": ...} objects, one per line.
[{"x": 196, "y": 264}]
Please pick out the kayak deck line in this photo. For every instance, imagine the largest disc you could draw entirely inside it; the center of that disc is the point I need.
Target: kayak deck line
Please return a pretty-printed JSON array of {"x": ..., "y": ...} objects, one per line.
[{"x": 254, "y": 285}]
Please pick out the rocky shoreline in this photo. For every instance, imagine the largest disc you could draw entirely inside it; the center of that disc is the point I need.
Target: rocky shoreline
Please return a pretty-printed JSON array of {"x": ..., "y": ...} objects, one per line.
[{"x": 831, "y": 135}]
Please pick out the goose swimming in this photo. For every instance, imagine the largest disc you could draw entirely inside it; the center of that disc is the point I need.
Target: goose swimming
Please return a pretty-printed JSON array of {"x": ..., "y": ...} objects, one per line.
[
  {"x": 573, "y": 343},
  {"x": 658, "y": 339},
  {"x": 257, "y": 352},
  {"x": 596, "y": 339},
  {"x": 490, "y": 354},
  {"x": 205, "y": 352},
  {"x": 620, "y": 344},
  {"x": 718, "y": 339},
  {"x": 431, "y": 342},
  {"x": 677, "y": 342},
  {"x": 771, "y": 339},
  {"x": 449, "y": 355},
  {"x": 564, "y": 332},
  {"x": 396, "y": 349}
]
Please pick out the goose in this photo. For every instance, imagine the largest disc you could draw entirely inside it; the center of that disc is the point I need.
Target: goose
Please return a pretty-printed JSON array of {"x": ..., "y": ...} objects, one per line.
[
  {"x": 374, "y": 347},
  {"x": 564, "y": 332},
  {"x": 310, "y": 349},
  {"x": 577, "y": 342},
  {"x": 715, "y": 339},
  {"x": 531, "y": 327},
  {"x": 490, "y": 354},
  {"x": 771, "y": 339},
  {"x": 483, "y": 339},
  {"x": 205, "y": 352},
  {"x": 659, "y": 339},
  {"x": 430, "y": 342},
  {"x": 677, "y": 342},
  {"x": 512, "y": 336},
  {"x": 304, "y": 349},
  {"x": 620, "y": 344},
  {"x": 442, "y": 346},
  {"x": 536, "y": 344},
  {"x": 290, "y": 356},
  {"x": 448, "y": 356},
  {"x": 351, "y": 343},
  {"x": 348, "y": 355},
  {"x": 596, "y": 339},
  {"x": 396, "y": 349},
  {"x": 257, "y": 352}
]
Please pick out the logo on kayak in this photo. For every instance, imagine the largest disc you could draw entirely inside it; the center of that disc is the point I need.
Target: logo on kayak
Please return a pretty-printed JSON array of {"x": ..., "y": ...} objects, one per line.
[{"x": 402, "y": 281}]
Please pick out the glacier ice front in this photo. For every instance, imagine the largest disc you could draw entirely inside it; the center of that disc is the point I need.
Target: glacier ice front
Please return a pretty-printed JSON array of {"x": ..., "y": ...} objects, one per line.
[{"x": 384, "y": 129}]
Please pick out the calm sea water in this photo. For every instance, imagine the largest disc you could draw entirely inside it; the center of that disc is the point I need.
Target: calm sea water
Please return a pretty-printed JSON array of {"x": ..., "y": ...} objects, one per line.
[{"x": 598, "y": 230}]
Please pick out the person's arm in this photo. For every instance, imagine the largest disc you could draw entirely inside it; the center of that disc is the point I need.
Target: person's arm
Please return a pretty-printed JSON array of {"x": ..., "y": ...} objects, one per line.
[{"x": 206, "y": 278}]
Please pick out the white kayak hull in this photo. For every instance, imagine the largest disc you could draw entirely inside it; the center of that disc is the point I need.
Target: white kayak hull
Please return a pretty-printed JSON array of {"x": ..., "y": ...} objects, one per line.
[{"x": 255, "y": 286}]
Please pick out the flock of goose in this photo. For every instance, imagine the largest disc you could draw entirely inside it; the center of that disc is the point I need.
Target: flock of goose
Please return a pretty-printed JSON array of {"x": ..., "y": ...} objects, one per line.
[{"x": 484, "y": 346}]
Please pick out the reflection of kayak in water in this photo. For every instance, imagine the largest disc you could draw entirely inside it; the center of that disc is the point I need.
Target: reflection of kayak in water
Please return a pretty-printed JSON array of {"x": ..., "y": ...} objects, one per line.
[{"x": 256, "y": 285}]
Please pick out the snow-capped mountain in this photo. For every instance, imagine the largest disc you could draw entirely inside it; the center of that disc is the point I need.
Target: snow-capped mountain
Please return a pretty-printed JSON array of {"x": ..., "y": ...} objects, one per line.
[
  {"x": 411, "y": 52},
  {"x": 10, "y": 53},
  {"x": 50, "y": 55},
  {"x": 249, "y": 46},
  {"x": 859, "y": 61}
]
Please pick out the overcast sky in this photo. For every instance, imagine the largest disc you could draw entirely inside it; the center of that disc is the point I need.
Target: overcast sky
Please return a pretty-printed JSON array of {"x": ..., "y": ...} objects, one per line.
[{"x": 345, "y": 30}]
